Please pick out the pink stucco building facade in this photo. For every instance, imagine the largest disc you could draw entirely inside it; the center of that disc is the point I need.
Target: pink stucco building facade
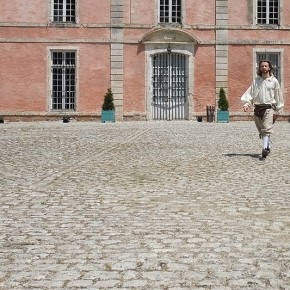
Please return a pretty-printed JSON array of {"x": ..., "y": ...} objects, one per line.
[{"x": 163, "y": 59}]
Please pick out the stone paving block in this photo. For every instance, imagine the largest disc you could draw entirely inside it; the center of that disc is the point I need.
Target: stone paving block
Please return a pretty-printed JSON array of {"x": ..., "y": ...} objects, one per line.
[{"x": 143, "y": 205}]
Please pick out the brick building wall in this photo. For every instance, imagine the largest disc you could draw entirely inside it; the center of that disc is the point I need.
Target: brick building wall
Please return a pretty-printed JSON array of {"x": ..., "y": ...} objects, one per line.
[{"x": 122, "y": 44}]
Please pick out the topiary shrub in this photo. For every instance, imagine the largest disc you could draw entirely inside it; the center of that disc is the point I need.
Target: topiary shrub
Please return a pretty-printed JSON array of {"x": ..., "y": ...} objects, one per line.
[
  {"x": 108, "y": 104},
  {"x": 223, "y": 103}
]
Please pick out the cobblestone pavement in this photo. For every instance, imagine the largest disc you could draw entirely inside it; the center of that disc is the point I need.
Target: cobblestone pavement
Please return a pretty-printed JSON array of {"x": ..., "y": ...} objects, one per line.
[{"x": 143, "y": 205}]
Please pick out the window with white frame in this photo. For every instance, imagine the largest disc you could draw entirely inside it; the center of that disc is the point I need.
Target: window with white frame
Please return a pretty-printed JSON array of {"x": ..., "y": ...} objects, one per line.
[
  {"x": 63, "y": 80},
  {"x": 170, "y": 11},
  {"x": 64, "y": 11},
  {"x": 268, "y": 12},
  {"x": 275, "y": 59}
]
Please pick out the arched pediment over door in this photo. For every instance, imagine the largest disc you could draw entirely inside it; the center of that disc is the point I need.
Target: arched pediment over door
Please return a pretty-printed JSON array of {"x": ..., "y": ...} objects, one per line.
[{"x": 162, "y": 35}]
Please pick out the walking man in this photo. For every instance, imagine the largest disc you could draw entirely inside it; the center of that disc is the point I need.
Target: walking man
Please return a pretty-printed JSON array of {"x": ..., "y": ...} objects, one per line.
[{"x": 266, "y": 97}]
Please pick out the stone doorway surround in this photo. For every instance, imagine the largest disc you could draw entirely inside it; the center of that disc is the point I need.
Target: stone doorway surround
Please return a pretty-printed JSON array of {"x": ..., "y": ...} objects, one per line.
[{"x": 177, "y": 41}]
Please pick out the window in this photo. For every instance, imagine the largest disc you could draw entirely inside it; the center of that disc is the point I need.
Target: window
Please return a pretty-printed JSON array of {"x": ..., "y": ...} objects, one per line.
[
  {"x": 275, "y": 60},
  {"x": 63, "y": 77},
  {"x": 170, "y": 11},
  {"x": 268, "y": 12},
  {"x": 64, "y": 11}
]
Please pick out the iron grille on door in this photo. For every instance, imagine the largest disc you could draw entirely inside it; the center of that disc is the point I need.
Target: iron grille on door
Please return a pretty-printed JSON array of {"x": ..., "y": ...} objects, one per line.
[
  {"x": 169, "y": 83},
  {"x": 63, "y": 81}
]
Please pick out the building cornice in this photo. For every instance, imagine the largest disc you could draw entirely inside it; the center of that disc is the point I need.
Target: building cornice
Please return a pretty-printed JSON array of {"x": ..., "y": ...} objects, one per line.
[
  {"x": 145, "y": 26},
  {"x": 136, "y": 41}
]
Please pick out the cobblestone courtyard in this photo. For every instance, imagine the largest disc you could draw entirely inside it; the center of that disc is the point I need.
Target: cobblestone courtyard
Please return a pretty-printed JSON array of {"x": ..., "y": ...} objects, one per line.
[{"x": 143, "y": 205}]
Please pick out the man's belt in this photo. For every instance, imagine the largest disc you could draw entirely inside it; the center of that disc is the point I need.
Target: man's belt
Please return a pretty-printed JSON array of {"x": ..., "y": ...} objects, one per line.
[
  {"x": 264, "y": 106},
  {"x": 260, "y": 110}
]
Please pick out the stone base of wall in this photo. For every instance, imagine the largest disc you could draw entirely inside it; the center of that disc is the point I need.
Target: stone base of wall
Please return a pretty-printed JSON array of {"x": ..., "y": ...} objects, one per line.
[
  {"x": 247, "y": 117},
  {"x": 96, "y": 117},
  {"x": 240, "y": 117},
  {"x": 134, "y": 117},
  {"x": 34, "y": 117}
]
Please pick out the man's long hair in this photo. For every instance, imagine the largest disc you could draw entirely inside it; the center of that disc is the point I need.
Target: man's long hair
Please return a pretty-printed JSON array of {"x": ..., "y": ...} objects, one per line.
[{"x": 270, "y": 66}]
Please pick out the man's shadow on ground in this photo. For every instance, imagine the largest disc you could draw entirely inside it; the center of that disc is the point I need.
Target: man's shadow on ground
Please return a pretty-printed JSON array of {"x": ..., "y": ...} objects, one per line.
[{"x": 257, "y": 156}]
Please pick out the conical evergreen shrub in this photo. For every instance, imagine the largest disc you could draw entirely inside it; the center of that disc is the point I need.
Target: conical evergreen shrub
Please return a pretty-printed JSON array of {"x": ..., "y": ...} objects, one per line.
[
  {"x": 108, "y": 104},
  {"x": 223, "y": 103}
]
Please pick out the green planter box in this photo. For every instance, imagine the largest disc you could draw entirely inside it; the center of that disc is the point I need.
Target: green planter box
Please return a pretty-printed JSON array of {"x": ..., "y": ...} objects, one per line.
[
  {"x": 108, "y": 116},
  {"x": 223, "y": 116}
]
